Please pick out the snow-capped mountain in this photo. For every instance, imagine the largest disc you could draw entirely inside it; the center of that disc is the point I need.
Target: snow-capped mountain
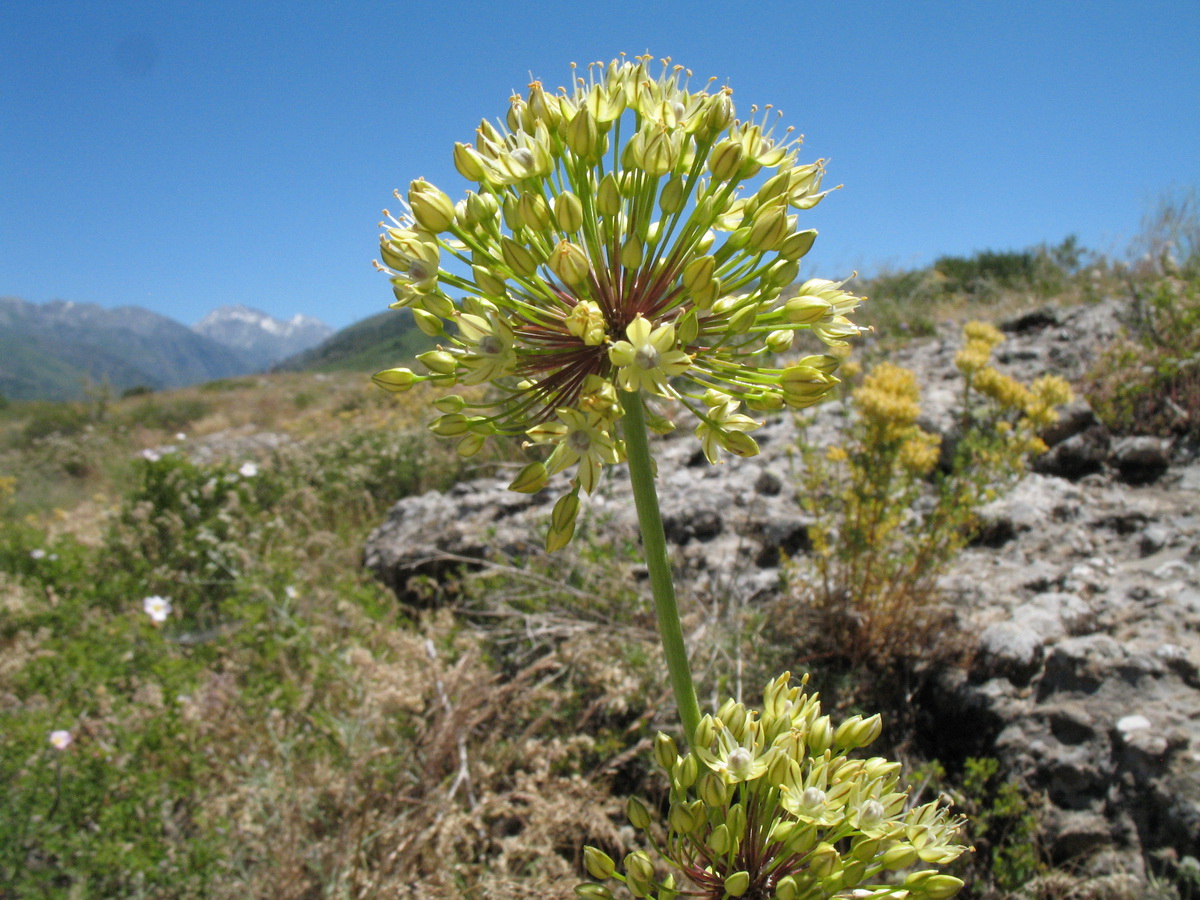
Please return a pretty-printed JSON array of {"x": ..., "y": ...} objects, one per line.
[
  {"x": 259, "y": 338},
  {"x": 51, "y": 350}
]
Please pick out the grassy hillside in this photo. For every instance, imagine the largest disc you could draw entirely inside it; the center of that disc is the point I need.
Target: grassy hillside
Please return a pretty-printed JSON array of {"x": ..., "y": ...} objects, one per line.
[{"x": 385, "y": 340}]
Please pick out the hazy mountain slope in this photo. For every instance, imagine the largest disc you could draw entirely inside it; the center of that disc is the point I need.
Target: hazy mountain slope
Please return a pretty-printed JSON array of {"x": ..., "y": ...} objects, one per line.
[{"x": 50, "y": 351}]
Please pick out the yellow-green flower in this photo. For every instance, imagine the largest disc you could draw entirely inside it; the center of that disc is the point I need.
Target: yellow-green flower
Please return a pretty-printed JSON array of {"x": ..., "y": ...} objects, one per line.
[
  {"x": 581, "y": 438},
  {"x": 612, "y": 234},
  {"x": 648, "y": 358}
]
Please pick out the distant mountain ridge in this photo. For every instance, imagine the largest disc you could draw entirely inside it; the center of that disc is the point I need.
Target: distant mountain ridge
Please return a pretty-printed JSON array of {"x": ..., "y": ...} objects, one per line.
[
  {"x": 262, "y": 340},
  {"x": 51, "y": 351}
]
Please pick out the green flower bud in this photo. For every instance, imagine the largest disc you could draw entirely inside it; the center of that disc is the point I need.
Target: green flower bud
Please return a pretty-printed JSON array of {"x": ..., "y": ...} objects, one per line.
[
  {"x": 660, "y": 153},
  {"x": 706, "y": 241},
  {"x": 698, "y": 273},
  {"x": 487, "y": 281},
  {"x": 518, "y": 258},
  {"x": 534, "y": 212},
  {"x": 636, "y": 812},
  {"x": 451, "y": 403},
  {"x": 823, "y": 859},
  {"x": 773, "y": 187},
  {"x": 631, "y": 253},
  {"x": 659, "y": 424},
  {"x": 432, "y": 209},
  {"x": 718, "y": 840},
  {"x": 742, "y": 320},
  {"x": 933, "y": 885},
  {"x": 857, "y": 732},
  {"x": 767, "y": 401},
  {"x": 740, "y": 444},
  {"x": 820, "y": 735},
  {"x": 438, "y": 304},
  {"x": 901, "y": 856},
  {"x": 569, "y": 263},
  {"x": 608, "y": 196},
  {"x": 598, "y": 863},
  {"x": 725, "y": 160},
  {"x": 852, "y": 873},
  {"x": 680, "y": 819},
  {"x": 735, "y": 818},
  {"x": 672, "y": 198},
  {"x": 450, "y": 425},
  {"x": 467, "y": 161},
  {"x": 805, "y": 310},
  {"x": 713, "y": 790},
  {"x": 639, "y": 866},
  {"x": 706, "y": 731},
  {"x": 511, "y": 209},
  {"x": 822, "y": 362},
  {"x": 530, "y": 479},
  {"x": 439, "y": 362},
  {"x": 782, "y": 273},
  {"x": 544, "y": 106},
  {"x": 568, "y": 212},
  {"x": 482, "y": 208},
  {"x": 687, "y": 328},
  {"x": 583, "y": 135},
  {"x": 687, "y": 772},
  {"x": 786, "y": 888},
  {"x": 562, "y": 522},
  {"x": 519, "y": 118},
  {"x": 737, "y": 883},
  {"x": 719, "y": 114},
  {"x": 666, "y": 752},
  {"x": 769, "y": 229},
  {"x": 865, "y": 849},
  {"x": 803, "y": 839},
  {"x": 707, "y": 296},
  {"x": 593, "y": 892},
  {"x": 783, "y": 770},
  {"x": 429, "y": 324},
  {"x": 797, "y": 244},
  {"x": 781, "y": 831},
  {"x": 395, "y": 380},
  {"x": 470, "y": 445},
  {"x": 780, "y": 341}
]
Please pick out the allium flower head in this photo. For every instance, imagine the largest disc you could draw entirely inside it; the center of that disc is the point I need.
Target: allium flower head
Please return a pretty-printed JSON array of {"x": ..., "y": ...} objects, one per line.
[
  {"x": 629, "y": 230},
  {"x": 773, "y": 805}
]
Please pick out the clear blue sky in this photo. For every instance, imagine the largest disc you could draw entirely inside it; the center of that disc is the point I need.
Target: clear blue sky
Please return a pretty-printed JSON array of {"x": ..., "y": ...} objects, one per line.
[{"x": 181, "y": 156}]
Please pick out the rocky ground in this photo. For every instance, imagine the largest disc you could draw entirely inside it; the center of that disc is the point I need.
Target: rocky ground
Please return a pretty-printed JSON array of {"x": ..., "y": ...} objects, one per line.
[{"x": 1082, "y": 597}]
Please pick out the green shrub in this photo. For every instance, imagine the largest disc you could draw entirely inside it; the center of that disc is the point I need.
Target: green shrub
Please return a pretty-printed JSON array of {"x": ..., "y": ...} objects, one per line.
[
  {"x": 45, "y": 418},
  {"x": 167, "y": 413},
  {"x": 1148, "y": 381}
]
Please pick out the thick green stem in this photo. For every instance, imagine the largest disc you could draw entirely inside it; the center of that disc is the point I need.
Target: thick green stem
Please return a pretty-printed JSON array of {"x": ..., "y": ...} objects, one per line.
[{"x": 654, "y": 543}]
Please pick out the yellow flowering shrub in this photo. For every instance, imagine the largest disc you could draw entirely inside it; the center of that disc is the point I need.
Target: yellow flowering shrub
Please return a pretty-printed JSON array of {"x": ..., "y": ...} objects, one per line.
[{"x": 892, "y": 507}]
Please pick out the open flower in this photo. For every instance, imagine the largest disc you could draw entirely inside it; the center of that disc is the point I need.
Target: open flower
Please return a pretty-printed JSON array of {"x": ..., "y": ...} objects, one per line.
[
  {"x": 613, "y": 233},
  {"x": 648, "y": 358},
  {"x": 61, "y": 739},
  {"x": 157, "y": 608}
]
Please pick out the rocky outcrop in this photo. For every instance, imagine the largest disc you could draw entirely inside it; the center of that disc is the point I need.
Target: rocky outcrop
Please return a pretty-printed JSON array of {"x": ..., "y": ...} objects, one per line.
[{"x": 1081, "y": 596}]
